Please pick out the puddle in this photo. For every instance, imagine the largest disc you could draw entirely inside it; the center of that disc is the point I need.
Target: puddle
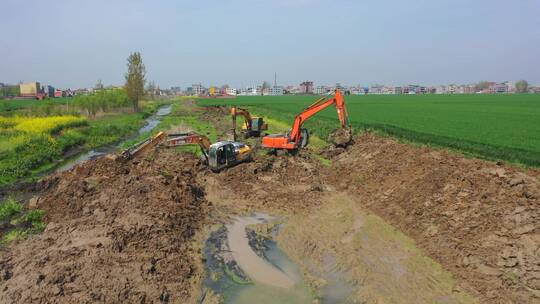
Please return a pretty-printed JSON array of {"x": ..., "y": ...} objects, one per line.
[
  {"x": 239, "y": 274},
  {"x": 151, "y": 123}
]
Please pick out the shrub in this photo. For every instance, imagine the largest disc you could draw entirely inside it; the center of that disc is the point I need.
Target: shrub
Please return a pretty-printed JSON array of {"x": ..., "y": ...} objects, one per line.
[{"x": 9, "y": 208}]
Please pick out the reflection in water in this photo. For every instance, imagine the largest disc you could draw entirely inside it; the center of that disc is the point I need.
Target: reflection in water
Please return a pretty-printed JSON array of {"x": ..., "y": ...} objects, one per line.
[{"x": 275, "y": 279}]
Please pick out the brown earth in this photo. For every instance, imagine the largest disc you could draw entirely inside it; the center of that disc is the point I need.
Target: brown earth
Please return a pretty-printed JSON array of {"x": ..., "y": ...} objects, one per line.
[
  {"x": 479, "y": 219},
  {"x": 123, "y": 233},
  {"x": 116, "y": 233}
]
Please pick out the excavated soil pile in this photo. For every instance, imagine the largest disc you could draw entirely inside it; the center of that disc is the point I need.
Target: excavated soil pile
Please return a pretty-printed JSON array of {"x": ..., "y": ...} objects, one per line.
[
  {"x": 479, "y": 219},
  {"x": 269, "y": 183},
  {"x": 116, "y": 233}
]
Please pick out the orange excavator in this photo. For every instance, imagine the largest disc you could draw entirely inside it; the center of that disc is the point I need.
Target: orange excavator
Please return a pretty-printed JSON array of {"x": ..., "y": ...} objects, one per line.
[
  {"x": 298, "y": 137},
  {"x": 252, "y": 127}
]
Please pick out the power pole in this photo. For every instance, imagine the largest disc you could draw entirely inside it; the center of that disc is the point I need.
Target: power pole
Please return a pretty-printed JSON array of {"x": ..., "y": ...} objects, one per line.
[{"x": 275, "y": 79}]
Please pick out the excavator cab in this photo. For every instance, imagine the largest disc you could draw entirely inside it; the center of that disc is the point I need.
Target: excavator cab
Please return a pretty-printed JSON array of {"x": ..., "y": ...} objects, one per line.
[
  {"x": 258, "y": 125},
  {"x": 226, "y": 154},
  {"x": 252, "y": 126}
]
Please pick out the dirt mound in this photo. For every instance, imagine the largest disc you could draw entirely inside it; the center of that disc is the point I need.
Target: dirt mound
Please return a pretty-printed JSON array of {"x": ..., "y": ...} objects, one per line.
[
  {"x": 116, "y": 233},
  {"x": 341, "y": 138},
  {"x": 480, "y": 220},
  {"x": 273, "y": 183}
]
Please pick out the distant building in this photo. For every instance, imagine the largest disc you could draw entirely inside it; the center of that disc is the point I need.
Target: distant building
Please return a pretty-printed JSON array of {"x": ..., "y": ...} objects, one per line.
[
  {"x": 376, "y": 89},
  {"x": 50, "y": 91},
  {"x": 198, "y": 89},
  {"x": 306, "y": 87},
  {"x": 230, "y": 91},
  {"x": 30, "y": 89},
  {"x": 321, "y": 90},
  {"x": 498, "y": 88},
  {"x": 276, "y": 91},
  {"x": 176, "y": 91}
]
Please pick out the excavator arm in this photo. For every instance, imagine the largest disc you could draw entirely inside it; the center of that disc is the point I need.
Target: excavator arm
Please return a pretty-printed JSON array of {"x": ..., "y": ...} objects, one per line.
[
  {"x": 315, "y": 108},
  {"x": 243, "y": 112},
  {"x": 294, "y": 139},
  {"x": 189, "y": 139}
]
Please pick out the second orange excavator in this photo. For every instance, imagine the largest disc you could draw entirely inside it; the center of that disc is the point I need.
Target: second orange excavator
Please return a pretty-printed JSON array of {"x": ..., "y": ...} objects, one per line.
[{"x": 298, "y": 137}]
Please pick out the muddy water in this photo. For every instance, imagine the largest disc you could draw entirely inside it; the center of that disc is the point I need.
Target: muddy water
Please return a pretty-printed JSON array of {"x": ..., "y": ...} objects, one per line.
[
  {"x": 253, "y": 265},
  {"x": 151, "y": 123},
  {"x": 273, "y": 278},
  {"x": 244, "y": 270}
]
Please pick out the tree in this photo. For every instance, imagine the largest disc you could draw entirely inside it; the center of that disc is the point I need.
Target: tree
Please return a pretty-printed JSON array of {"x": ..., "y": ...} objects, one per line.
[
  {"x": 265, "y": 86},
  {"x": 151, "y": 89},
  {"x": 522, "y": 86},
  {"x": 482, "y": 85},
  {"x": 99, "y": 85},
  {"x": 135, "y": 79}
]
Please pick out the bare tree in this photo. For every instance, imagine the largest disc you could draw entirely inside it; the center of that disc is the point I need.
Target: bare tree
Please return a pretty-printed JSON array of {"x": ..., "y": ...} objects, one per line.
[
  {"x": 482, "y": 85},
  {"x": 522, "y": 86},
  {"x": 135, "y": 79},
  {"x": 265, "y": 86},
  {"x": 151, "y": 89},
  {"x": 99, "y": 85}
]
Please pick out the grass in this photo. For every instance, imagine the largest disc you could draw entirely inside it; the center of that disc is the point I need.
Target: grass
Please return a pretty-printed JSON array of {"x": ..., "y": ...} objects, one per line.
[
  {"x": 19, "y": 223},
  {"x": 490, "y": 126},
  {"x": 180, "y": 116},
  {"x": 30, "y": 145},
  {"x": 9, "y": 209}
]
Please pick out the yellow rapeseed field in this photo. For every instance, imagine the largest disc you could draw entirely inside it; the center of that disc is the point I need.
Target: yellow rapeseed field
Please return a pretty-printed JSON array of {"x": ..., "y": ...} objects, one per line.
[{"x": 44, "y": 125}]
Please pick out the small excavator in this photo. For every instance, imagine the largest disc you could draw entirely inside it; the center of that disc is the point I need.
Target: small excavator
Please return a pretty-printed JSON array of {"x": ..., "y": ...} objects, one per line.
[
  {"x": 252, "y": 126},
  {"x": 298, "y": 137},
  {"x": 217, "y": 156}
]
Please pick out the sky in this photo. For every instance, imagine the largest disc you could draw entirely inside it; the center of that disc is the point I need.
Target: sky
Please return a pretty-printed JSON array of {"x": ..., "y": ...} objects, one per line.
[{"x": 73, "y": 43}]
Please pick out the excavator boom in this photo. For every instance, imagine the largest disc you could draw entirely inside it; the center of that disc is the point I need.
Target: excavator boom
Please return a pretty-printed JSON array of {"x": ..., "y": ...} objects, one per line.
[
  {"x": 293, "y": 140},
  {"x": 217, "y": 156}
]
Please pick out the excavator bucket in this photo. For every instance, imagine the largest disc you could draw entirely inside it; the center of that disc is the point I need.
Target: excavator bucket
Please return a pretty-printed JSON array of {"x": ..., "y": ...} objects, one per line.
[{"x": 341, "y": 137}]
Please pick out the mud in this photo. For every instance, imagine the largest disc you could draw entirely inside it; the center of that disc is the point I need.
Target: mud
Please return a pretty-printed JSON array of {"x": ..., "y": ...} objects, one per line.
[
  {"x": 116, "y": 233},
  {"x": 479, "y": 219}
]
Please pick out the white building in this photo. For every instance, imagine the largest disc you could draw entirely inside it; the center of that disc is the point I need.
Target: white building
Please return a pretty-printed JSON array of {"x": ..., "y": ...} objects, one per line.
[
  {"x": 197, "y": 89},
  {"x": 276, "y": 91},
  {"x": 376, "y": 89},
  {"x": 230, "y": 91},
  {"x": 321, "y": 90}
]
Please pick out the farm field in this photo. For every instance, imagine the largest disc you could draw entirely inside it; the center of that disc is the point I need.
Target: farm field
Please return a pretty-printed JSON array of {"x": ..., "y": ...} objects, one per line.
[
  {"x": 492, "y": 126},
  {"x": 34, "y": 135}
]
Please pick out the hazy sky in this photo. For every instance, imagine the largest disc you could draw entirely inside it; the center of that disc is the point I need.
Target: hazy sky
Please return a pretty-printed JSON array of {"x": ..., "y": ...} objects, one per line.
[{"x": 241, "y": 42}]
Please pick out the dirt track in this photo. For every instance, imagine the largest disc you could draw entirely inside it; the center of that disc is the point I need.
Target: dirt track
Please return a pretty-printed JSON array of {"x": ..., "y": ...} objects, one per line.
[{"x": 123, "y": 233}]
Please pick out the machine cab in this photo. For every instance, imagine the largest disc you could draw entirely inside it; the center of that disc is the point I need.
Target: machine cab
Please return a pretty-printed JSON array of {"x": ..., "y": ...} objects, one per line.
[
  {"x": 221, "y": 155},
  {"x": 256, "y": 124}
]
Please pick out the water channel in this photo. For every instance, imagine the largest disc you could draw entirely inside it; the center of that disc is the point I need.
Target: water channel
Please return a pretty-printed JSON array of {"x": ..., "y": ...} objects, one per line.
[{"x": 151, "y": 123}]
